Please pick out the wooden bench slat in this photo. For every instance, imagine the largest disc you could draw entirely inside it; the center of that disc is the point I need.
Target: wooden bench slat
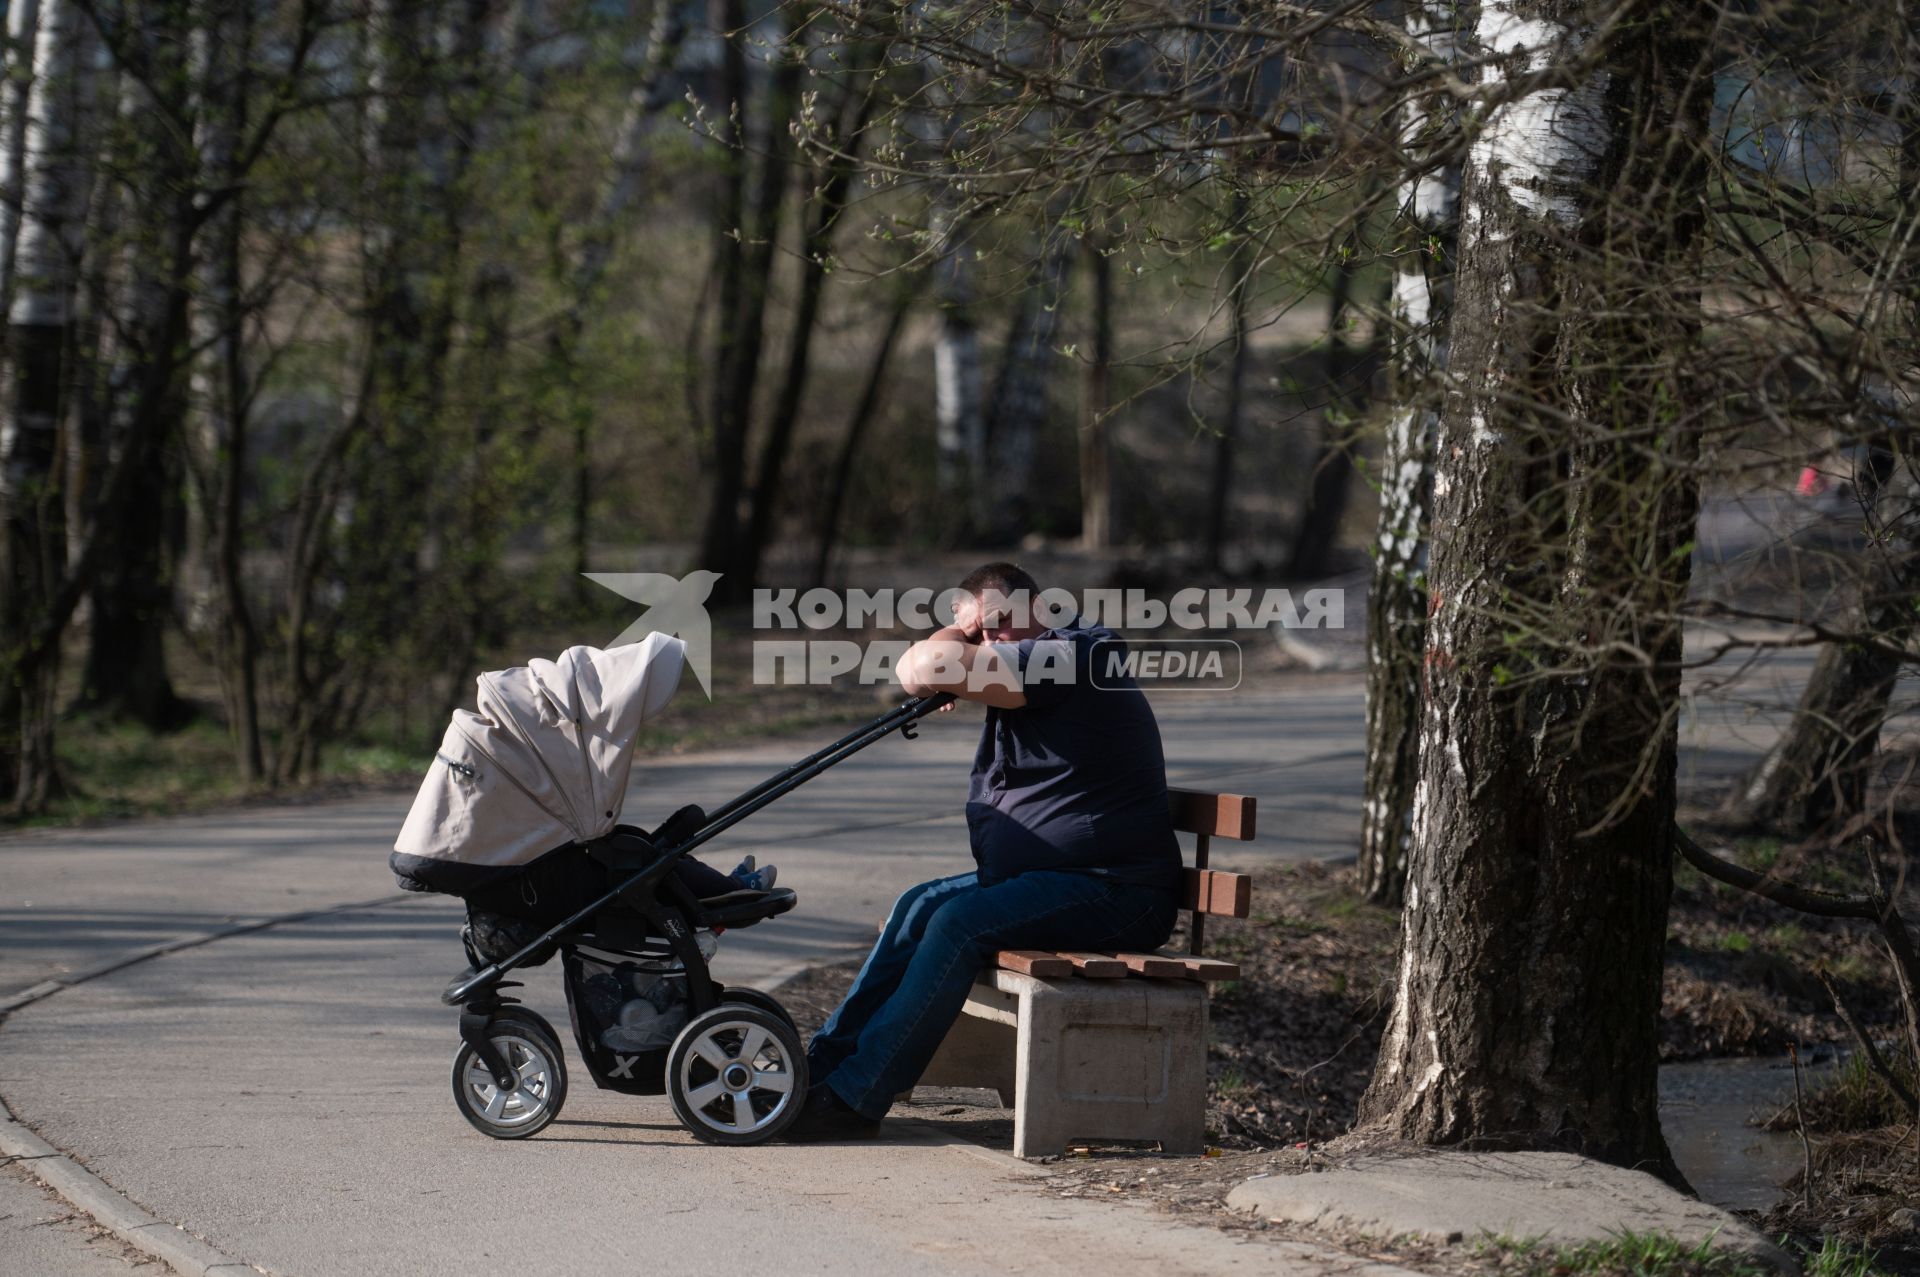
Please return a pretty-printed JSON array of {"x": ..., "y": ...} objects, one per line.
[
  {"x": 1096, "y": 966},
  {"x": 1216, "y": 815},
  {"x": 1033, "y": 962},
  {"x": 1231, "y": 896},
  {"x": 1152, "y": 965},
  {"x": 1213, "y": 891},
  {"x": 1205, "y": 970}
]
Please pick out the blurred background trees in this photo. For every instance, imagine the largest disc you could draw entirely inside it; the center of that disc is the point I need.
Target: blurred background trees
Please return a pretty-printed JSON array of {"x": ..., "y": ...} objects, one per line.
[{"x": 343, "y": 335}]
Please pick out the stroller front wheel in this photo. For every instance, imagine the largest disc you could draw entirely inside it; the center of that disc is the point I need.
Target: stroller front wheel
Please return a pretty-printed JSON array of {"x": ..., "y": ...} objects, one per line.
[
  {"x": 736, "y": 1075},
  {"x": 538, "y": 1066}
]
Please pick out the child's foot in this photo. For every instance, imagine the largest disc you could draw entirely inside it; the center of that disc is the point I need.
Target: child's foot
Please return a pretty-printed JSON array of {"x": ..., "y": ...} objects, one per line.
[{"x": 754, "y": 879}]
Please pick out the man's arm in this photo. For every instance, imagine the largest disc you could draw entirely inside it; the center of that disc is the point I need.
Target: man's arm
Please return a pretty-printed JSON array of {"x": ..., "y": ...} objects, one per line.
[{"x": 955, "y": 660}]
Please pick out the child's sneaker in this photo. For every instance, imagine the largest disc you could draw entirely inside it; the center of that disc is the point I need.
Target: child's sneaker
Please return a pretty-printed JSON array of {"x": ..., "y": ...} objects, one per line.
[{"x": 754, "y": 879}]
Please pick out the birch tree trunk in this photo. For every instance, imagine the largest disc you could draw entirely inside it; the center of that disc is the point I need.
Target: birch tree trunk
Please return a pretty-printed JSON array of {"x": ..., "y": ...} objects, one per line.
[
  {"x": 1535, "y": 919},
  {"x": 39, "y": 329},
  {"x": 1421, "y": 312},
  {"x": 960, "y": 437},
  {"x": 626, "y": 185},
  {"x": 23, "y": 18},
  {"x": 221, "y": 380}
]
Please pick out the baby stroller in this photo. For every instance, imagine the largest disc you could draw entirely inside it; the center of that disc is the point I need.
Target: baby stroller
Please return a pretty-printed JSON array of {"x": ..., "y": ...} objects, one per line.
[{"x": 520, "y": 817}]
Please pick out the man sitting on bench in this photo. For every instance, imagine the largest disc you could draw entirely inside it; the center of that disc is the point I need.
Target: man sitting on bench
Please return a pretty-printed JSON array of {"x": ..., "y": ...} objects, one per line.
[{"x": 1067, "y": 815}]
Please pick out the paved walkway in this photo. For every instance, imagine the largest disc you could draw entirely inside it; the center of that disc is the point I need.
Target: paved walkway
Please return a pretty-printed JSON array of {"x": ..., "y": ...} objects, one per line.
[{"x": 283, "y": 1092}]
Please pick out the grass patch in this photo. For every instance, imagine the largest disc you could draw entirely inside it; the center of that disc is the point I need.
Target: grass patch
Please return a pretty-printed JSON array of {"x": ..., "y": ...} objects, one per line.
[
  {"x": 1785, "y": 938},
  {"x": 1628, "y": 1255},
  {"x": 1837, "y": 1258},
  {"x": 1853, "y": 1098},
  {"x": 118, "y": 770}
]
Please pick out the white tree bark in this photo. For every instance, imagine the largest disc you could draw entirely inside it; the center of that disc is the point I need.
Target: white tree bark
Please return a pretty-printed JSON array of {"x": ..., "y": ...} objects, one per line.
[
  {"x": 39, "y": 325},
  {"x": 1421, "y": 309},
  {"x": 633, "y": 151},
  {"x": 959, "y": 386},
  {"x": 52, "y": 186},
  {"x": 23, "y": 17}
]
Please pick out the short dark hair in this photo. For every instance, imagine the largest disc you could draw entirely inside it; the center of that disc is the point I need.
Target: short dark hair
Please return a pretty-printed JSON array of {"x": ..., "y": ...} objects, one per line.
[{"x": 1008, "y": 578}]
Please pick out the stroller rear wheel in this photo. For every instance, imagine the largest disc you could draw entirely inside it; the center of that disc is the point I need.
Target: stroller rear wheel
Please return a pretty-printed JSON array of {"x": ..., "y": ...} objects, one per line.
[
  {"x": 535, "y": 1058},
  {"x": 736, "y": 1075}
]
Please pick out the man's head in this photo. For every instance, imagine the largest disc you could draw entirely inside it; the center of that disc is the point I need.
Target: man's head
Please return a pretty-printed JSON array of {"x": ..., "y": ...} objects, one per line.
[{"x": 1005, "y": 602}]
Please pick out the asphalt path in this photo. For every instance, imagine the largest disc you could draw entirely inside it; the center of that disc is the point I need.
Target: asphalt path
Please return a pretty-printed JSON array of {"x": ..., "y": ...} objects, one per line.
[{"x": 282, "y": 1091}]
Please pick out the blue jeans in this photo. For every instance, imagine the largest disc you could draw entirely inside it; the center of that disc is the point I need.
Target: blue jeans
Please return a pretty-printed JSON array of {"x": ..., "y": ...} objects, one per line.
[{"x": 940, "y": 935}]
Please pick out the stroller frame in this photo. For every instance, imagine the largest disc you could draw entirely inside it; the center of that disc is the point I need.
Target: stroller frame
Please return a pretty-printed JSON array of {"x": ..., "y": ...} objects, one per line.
[{"x": 647, "y": 914}]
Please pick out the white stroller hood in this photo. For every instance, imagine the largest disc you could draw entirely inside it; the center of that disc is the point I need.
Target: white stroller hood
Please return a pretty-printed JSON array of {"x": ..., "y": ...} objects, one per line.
[{"x": 541, "y": 764}]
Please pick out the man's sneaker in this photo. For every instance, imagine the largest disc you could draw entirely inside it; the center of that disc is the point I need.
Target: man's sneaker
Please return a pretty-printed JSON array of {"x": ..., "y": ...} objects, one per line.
[
  {"x": 827, "y": 1117},
  {"x": 754, "y": 879}
]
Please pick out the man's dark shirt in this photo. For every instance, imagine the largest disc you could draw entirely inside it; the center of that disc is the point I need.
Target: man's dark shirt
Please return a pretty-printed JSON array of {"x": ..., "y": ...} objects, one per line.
[{"x": 1075, "y": 779}]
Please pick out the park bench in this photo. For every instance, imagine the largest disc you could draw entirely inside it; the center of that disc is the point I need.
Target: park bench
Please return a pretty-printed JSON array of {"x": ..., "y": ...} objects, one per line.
[{"x": 1106, "y": 1046}]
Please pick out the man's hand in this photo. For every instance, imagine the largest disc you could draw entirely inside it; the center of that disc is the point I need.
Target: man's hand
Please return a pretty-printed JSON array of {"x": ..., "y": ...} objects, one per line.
[
  {"x": 954, "y": 659},
  {"x": 968, "y": 624}
]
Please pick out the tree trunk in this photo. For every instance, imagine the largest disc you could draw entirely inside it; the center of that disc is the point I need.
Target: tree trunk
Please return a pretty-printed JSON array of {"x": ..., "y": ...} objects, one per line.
[
  {"x": 959, "y": 408},
  {"x": 1818, "y": 773},
  {"x": 1421, "y": 311},
  {"x": 625, "y": 186},
  {"x": 1332, "y": 479},
  {"x": 39, "y": 331},
  {"x": 747, "y": 244},
  {"x": 23, "y": 17},
  {"x": 1096, "y": 400},
  {"x": 222, "y": 382},
  {"x": 863, "y": 414},
  {"x": 632, "y": 157},
  {"x": 130, "y": 601},
  {"x": 831, "y": 190},
  {"x": 1535, "y": 920},
  {"x": 1020, "y": 407},
  {"x": 1241, "y": 265}
]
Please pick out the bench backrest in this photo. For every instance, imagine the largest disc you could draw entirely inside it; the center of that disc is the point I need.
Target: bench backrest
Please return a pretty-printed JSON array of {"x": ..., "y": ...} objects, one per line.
[{"x": 1208, "y": 891}]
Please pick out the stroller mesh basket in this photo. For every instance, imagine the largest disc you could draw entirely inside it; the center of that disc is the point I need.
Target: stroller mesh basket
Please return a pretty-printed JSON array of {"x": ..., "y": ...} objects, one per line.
[{"x": 626, "y": 1012}]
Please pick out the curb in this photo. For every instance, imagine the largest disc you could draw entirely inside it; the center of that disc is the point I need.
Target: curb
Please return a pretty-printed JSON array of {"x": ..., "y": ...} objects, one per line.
[
  {"x": 171, "y": 1244},
  {"x": 113, "y": 1210}
]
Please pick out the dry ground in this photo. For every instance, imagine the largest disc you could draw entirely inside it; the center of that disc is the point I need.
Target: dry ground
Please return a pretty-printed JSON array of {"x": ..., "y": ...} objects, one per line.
[{"x": 1295, "y": 1038}]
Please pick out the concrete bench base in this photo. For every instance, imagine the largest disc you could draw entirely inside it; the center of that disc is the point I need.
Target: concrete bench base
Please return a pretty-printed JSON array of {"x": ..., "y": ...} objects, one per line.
[{"x": 1084, "y": 1059}]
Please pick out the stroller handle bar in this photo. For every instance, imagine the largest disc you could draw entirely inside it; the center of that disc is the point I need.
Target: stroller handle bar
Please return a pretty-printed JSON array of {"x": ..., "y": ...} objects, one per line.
[{"x": 723, "y": 818}]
